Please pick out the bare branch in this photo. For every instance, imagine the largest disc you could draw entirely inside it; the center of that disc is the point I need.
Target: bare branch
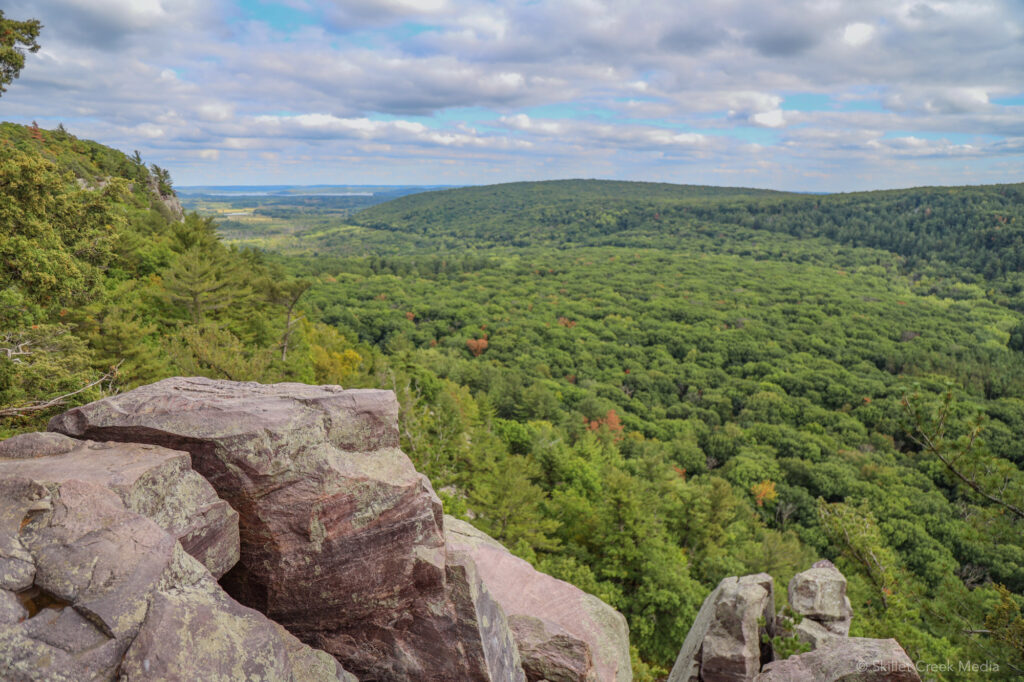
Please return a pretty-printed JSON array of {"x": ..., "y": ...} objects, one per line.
[
  {"x": 932, "y": 443},
  {"x": 21, "y": 348},
  {"x": 59, "y": 400}
]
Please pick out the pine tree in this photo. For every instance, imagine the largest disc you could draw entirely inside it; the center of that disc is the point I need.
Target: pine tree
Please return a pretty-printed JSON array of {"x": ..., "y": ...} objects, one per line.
[
  {"x": 203, "y": 282},
  {"x": 16, "y": 38}
]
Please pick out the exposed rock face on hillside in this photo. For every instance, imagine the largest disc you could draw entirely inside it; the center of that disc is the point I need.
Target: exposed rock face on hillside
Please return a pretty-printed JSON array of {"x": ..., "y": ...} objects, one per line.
[
  {"x": 170, "y": 201},
  {"x": 342, "y": 540},
  {"x": 110, "y": 550},
  {"x": 724, "y": 642},
  {"x": 853, "y": 659},
  {"x": 563, "y": 634},
  {"x": 91, "y": 590}
]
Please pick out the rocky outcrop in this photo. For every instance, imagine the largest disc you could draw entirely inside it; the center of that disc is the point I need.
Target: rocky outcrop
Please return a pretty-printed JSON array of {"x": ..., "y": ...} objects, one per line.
[
  {"x": 342, "y": 541},
  {"x": 819, "y": 595},
  {"x": 563, "y": 634},
  {"x": 724, "y": 642},
  {"x": 196, "y": 631},
  {"x": 105, "y": 592},
  {"x": 852, "y": 659},
  {"x": 483, "y": 637},
  {"x": 152, "y": 481},
  {"x": 169, "y": 204}
]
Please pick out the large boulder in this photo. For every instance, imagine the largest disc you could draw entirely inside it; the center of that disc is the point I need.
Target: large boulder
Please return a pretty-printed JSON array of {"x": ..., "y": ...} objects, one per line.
[
  {"x": 112, "y": 595},
  {"x": 820, "y": 593},
  {"x": 196, "y": 631},
  {"x": 563, "y": 633},
  {"x": 724, "y": 642},
  {"x": 342, "y": 540},
  {"x": 153, "y": 481},
  {"x": 853, "y": 659}
]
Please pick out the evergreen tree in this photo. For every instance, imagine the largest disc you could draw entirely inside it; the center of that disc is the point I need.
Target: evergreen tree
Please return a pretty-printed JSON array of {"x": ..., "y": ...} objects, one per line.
[{"x": 16, "y": 38}]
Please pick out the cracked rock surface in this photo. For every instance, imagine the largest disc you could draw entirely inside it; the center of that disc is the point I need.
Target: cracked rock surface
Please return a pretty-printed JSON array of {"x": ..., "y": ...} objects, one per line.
[
  {"x": 105, "y": 593},
  {"x": 342, "y": 540}
]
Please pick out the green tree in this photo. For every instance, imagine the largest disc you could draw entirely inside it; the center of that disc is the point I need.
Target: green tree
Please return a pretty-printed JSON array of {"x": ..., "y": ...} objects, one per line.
[
  {"x": 511, "y": 507},
  {"x": 286, "y": 292},
  {"x": 16, "y": 38},
  {"x": 205, "y": 278}
]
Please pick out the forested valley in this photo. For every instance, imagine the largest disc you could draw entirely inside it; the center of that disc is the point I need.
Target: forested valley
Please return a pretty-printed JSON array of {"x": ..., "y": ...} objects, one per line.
[{"x": 639, "y": 388}]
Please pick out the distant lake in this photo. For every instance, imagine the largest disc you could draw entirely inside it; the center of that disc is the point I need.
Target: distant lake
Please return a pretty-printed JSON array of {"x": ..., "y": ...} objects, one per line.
[{"x": 286, "y": 194}]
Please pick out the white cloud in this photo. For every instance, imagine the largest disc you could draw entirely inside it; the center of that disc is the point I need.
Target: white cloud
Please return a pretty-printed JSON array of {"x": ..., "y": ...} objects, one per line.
[
  {"x": 770, "y": 119},
  {"x": 858, "y": 34},
  {"x": 215, "y": 111},
  {"x": 513, "y": 84},
  {"x": 148, "y": 130},
  {"x": 525, "y": 123}
]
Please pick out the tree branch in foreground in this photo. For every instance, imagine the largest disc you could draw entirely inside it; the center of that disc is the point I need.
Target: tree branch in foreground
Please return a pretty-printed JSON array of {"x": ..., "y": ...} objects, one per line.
[
  {"x": 59, "y": 400},
  {"x": 933, "y": 442}
]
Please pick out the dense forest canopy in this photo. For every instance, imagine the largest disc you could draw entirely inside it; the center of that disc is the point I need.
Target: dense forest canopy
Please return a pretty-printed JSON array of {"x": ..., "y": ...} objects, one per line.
[{"x": 639, "y": 388}]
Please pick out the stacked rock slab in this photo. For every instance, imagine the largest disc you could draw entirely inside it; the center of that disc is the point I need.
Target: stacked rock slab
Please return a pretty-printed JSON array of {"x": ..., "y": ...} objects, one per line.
[
  {"x": 819, "y": 595},
  {"x": 92, "y": 590},
  {"x": 342, "y": 541},
  {"x": 724, "y": 642},
  {"x": 563, "y": 634},
  {"x": 853, "y": 659},
  {"x": 153, "y": 481}
]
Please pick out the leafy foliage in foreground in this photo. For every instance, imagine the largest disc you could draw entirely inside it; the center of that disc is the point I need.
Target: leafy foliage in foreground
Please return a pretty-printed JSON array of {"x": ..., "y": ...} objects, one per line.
[{"x": 100, "y": 289}]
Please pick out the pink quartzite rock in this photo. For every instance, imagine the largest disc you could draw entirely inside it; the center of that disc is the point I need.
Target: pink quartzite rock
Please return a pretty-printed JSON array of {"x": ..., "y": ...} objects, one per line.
[
  {"x": 153, "y": 481},
  {"x": 724, "y": 642},
  {"x": 109, "y": 588},
  {"x": 342, "y": 540},
  {"x": 820, "y": 593},
  {"x": 483, "y": 639},
  {"x": 11, "y": 608},
  {"x": 853, "y": 659},
  {"x": 550, "y": 653},
  {"x": 563, "y": 633}
]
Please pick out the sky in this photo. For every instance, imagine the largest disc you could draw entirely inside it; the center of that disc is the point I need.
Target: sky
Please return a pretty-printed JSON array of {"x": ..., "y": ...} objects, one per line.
[{"x": 815, "y": 95}]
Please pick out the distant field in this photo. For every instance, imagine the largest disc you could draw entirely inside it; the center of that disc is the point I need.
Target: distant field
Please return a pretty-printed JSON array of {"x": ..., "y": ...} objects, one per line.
[{"x": 273, "y": 217}]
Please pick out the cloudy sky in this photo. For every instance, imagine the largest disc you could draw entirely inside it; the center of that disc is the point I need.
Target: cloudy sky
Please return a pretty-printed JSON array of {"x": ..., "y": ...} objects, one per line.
[{"x": 821, "y": 95}]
